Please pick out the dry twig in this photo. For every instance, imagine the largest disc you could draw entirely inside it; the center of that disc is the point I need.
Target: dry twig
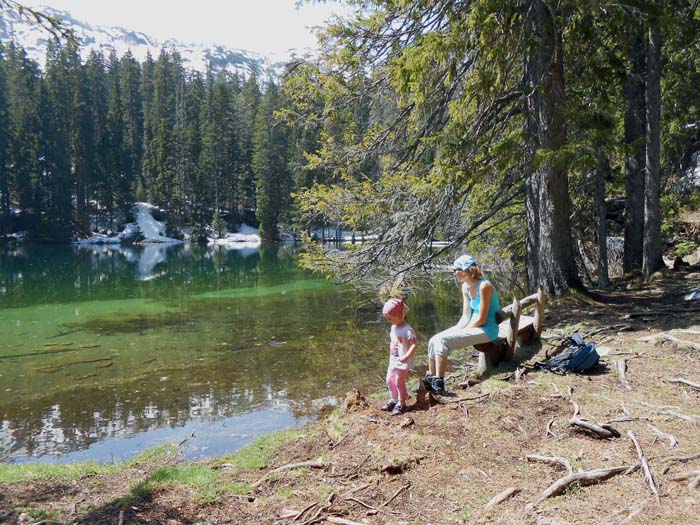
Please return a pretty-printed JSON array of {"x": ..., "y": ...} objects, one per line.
[
  {"x": 680, "y": 459},
  {"x": 549, "y": 431},
  {"x": 315, "y": 463},
  {"x": 551, "y": 460},
  {"x": 679, "y": 380},
  {"x": 342, "y": 521},
  {"x": 303, "y": 511},
  {"x": 645, "y": 466},
  {"x": 671, "y": 339},
  {"x": 664, "y": 435},
  {"x": 501, "y": 497},
  {"x": 399, "y": 491}
]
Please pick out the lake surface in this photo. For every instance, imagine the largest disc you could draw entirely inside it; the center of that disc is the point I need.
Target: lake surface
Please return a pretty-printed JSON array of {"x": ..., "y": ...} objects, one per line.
[{"x": 107, "y": 350}]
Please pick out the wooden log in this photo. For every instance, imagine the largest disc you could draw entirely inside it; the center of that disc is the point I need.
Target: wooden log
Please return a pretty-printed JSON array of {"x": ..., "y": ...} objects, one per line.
[
  {"x": 539, "y": 312},
  {"x": 513, "y": 332}
]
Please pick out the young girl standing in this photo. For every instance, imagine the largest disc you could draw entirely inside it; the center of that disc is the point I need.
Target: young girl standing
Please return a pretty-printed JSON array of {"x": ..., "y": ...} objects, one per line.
[{"x": 402, "y": 349}]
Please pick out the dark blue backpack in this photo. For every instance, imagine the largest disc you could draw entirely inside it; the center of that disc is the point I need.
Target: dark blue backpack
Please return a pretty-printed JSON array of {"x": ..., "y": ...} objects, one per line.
[{"x": 578, "y": 357}]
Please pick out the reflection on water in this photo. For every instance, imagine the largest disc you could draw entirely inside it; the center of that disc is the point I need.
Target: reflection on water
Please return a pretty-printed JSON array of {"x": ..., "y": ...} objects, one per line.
[{"x": 106, "y": 350}]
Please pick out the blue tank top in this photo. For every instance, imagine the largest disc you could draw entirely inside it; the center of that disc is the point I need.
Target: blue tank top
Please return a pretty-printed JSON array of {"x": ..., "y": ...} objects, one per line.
[{"x": 491, "y": 326}]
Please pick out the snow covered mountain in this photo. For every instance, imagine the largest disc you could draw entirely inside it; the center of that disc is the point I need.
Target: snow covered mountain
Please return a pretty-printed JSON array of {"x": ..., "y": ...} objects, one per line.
[{"x": 103, "y": 38}]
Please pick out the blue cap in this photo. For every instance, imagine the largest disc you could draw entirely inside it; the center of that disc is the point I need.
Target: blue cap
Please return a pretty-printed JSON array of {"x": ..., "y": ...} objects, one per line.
[{"x": 464, "y": 262}]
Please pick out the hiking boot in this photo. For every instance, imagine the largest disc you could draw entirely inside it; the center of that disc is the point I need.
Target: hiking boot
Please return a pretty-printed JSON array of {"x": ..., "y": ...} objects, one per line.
[
  {"x": 399, "y": 409},
  {"x": 438, "y": 386},
  {"x": 388, "y": 406},
  {"x": 428, "y": 381}
]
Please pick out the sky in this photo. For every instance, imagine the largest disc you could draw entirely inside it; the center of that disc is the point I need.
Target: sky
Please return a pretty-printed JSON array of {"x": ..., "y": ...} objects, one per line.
[{"x": 266, "y": 26}]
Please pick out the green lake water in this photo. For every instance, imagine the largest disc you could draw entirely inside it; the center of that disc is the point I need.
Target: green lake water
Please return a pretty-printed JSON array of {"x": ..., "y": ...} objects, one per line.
[{"x": 105, "y": 351}]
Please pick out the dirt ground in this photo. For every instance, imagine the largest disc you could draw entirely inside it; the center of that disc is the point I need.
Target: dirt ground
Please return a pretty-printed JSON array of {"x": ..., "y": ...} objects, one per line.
[{"x": 444, "y": 464}]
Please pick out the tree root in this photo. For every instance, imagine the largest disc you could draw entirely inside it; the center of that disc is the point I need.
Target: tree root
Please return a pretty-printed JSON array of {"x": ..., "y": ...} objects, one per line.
[
  {"x": 501, "y": 497},
  {"x": 316, "y": 463},
  {"x": 589, "y": 477}
]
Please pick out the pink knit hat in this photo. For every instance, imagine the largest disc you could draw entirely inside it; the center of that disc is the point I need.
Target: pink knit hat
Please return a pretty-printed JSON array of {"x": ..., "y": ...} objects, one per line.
[{"x": 395, "y": 307}]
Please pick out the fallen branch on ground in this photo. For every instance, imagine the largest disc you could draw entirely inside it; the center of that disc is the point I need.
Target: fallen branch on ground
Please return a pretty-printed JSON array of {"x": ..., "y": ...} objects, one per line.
[
  {"x": 541, "y": 520},
  {"x": 551, "y": 460},
  {"x": 549, "y": 431},
  {"x": 316, "y": 463},
  {"x": 500, "y": 498},
  {"x": 399, "y": 491},
  {"x": 303, "y": 511},
  {"x": 342, "y": 521},
  {"x": 670, "y": 410},
  {"x": 589, "y": 477},
  {"x": 320, "y": 510},
  {"x": 678, "y": 380},
  {"x": 664, "y": 435},
  {"x": 557, "y": 392},
  {"x": 577, "y": 409},
  {"x": 680, "y": 459},
  {"x": 688, "y": 475},
  {"x": 661, "y": 336},
  {"x": 602, "y": 431},
  {"x": 645, "y": 466},
  {"x": 636, "y": 512},
  {"x": 626, "y": 419},
  {"x": 617, "y": 327}
]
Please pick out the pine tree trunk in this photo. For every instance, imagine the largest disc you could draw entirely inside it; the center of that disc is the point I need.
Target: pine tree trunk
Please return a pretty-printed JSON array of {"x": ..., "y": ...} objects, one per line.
[
  {"x": 635, "y": 130},
  {"x": 602, "y": 172},
  {"x": 549, "y": 246},
  {"x": 652, "y": 205}
]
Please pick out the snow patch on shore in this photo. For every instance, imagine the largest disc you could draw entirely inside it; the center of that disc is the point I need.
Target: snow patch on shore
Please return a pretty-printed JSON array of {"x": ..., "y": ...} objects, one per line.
[{"x": 153, "y": 232}]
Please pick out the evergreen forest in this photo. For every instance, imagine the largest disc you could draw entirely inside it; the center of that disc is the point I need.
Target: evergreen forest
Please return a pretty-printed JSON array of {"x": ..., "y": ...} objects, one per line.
[{"x": 527, "y": 131}]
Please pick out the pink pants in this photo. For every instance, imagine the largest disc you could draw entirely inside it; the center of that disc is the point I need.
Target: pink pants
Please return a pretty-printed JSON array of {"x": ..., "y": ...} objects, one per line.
[{"x": 396, "y": 381}]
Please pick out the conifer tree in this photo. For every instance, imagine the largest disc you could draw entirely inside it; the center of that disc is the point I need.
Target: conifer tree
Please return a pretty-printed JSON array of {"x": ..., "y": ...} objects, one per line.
[
  {"x": 249, "y": 101},
  {"x": 58, "y": 138},
  {"x": 147, "y": 160},
  {"x": 270, "y": 164},
  {"x": 131, "y": 109},
  {"x": 4, "y": 150},
  {"x": 22, "y": 92}
]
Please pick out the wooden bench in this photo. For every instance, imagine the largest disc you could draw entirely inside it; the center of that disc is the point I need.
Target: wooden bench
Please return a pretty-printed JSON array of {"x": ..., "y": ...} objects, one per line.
[{"x": 513, "y": 328}]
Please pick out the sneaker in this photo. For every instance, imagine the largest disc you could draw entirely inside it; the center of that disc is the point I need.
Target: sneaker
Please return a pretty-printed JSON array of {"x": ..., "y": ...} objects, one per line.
[
  {"x": 388, "y": 406},
  {"x": 399, "y": 409},
  {"x": 438, "y": 386}
]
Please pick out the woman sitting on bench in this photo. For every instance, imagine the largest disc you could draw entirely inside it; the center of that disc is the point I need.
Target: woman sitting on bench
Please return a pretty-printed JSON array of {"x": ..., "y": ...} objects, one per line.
[{"x": 477, "y": 324}]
